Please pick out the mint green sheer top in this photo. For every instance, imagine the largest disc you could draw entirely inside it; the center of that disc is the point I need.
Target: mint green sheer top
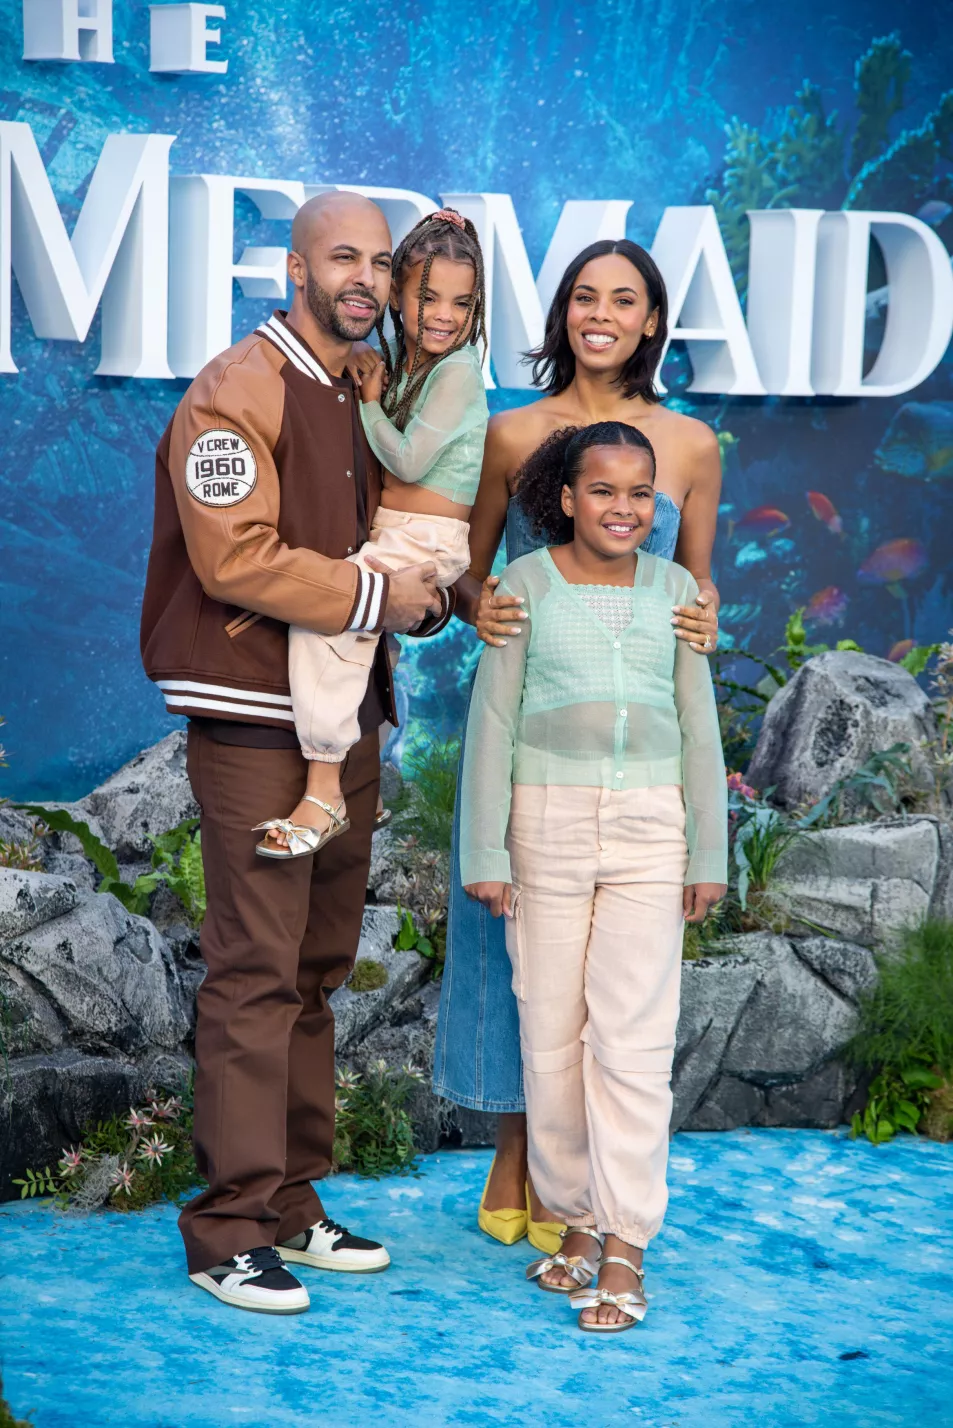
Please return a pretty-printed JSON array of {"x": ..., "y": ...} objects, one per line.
[
  {"x": 577, "y": 700},
  {"x": 441, "y": 448}
]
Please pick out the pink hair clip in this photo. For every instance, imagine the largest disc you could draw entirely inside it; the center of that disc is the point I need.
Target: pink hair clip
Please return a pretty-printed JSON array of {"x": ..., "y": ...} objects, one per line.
[{"x": 449, "y": 215}]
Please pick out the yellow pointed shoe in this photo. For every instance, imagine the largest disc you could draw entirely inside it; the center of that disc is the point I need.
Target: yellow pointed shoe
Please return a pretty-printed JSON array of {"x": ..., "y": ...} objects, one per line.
[
  {"x": 507, "y": 1226},
  {"x": 544, "y": 1235}
]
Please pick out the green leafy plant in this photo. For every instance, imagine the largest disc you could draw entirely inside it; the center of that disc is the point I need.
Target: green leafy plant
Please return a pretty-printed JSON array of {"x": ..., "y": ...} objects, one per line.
[
  {"x": 431, "y": 771},
  {"x": 896, "y": 1100},
  {"x": 905, "y": 1035},
  {"x": 127, "y": 1162},
  {"x": 177, "y": 863},
  {"x": 796, "y": 648},
  {"x": 757, "y": 847},
  {"x": 103, "y": 859},
  {"x": 877, "y": 787},
  {"x": 373, "y": 1135},
  {"x": 25, "y": 856},
  {"x": 369, "y": 975},
  {"x": 431, "y": 944}
]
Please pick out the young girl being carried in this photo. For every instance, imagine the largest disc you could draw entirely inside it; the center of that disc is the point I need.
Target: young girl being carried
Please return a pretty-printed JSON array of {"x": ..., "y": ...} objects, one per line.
[
  {"x": 595, "y": 820},
  {"x": 428, "y": 432}
]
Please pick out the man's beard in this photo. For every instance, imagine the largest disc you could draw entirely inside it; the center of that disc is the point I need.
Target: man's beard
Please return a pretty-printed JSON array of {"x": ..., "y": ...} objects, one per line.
[{"x": 324, "y": 310}]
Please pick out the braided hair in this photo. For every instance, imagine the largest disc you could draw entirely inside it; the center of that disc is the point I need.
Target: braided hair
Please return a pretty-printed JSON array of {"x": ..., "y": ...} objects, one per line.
[
  {"x": 559, "y": 462},
  {"x": 441, "y": 235}
]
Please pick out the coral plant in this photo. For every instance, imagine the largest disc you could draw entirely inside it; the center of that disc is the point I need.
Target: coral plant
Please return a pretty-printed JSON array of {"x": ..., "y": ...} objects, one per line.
[
  {"x": 127, "y": 1162},
  {"x": 804, "y": 159},
  {"x": 373, "y": 1135},
  {"x": 906, "y": 1035}
]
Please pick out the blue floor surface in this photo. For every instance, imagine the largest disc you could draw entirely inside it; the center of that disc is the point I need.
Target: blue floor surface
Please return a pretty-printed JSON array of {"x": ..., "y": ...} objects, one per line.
[{"x": 800, "y": 1279}]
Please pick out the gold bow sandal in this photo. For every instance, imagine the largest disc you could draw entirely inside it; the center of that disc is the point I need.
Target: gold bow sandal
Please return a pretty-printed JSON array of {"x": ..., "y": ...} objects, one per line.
[
  {"x": 576, "y": 1266},
  {"x": 631, "y": 1302},
  {"x": 303, "y": 842}
]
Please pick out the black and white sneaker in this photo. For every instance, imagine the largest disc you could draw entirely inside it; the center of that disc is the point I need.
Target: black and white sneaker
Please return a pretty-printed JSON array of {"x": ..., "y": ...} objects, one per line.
[
  {"x": 330, "y": 1246},
  {"x": 257, "y": 1280}
]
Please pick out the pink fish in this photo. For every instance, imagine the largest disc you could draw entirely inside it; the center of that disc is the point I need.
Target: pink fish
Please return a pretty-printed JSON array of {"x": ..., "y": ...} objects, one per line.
[
  {"x": 899, "y": 650},
  {"x": 763, "y": 520},
  {"x": 895, "y": 561},
  {"x": 825, "y": 510},
  {"x": 826, "y": 607}
]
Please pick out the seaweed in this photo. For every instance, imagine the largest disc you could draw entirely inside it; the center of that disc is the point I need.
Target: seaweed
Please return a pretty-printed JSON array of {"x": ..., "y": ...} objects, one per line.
[{"x": 880, "y": 76}]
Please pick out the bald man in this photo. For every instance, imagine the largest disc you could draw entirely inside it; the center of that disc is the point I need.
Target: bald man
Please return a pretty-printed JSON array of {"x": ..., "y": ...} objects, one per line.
[{"x": 264, "y": 486}]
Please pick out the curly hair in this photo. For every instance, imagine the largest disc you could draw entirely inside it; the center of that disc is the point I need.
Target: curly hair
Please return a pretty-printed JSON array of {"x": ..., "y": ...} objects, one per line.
[
  {"x": 554, "y": 362},
  {"x": 559, "y": 462},
  {"x": 440, "y": 235}
]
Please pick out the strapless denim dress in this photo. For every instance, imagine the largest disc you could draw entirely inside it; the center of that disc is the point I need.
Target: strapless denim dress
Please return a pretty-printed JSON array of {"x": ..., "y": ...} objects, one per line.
[{"x": 477, "y": 1060}]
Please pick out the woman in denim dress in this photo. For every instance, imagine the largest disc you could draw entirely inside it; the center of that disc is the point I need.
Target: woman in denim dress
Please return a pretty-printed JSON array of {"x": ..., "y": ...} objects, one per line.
[{"x": 605, "y": 333}]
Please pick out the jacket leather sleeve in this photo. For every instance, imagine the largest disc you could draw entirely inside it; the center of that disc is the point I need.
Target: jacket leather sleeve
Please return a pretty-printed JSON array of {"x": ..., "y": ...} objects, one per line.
[{"x": 228, "y": 494}]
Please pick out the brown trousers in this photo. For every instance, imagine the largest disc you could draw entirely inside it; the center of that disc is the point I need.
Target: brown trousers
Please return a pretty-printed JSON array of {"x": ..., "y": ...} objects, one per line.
[{"x": 277, "y": 937}]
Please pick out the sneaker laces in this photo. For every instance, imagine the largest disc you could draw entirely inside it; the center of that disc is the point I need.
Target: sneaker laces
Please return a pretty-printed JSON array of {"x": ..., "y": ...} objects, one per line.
[
  {"x": 258, "y": 1261},
  {"x": 333, "y": 1228}
]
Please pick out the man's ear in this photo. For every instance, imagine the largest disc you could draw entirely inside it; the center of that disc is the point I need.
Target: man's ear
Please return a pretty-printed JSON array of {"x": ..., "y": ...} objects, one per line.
[
  {"x": 566, "y": 501},
  {"x": 297, "y": 269}
]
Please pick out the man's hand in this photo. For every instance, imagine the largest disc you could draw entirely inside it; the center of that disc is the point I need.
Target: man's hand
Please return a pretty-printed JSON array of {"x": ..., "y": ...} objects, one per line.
[
  {"x": 699, "y": 897},
  {"x": 411, "y": 596},
  {"x": 497, "y": 897},
  {"x": 496, "y": 613}
]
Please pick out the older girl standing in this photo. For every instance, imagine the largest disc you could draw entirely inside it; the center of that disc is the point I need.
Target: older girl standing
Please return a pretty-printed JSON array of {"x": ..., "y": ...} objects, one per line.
[{"x": 594, "y": 819}]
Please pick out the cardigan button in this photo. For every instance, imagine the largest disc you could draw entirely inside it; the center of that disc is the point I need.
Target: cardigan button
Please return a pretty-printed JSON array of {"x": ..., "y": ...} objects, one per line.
[
  {"x": 350, "y": 550},
  {"x": 349, "y": 473},
  {"x": 341, "y": 397},
  {"x": 616, "y": 644}
]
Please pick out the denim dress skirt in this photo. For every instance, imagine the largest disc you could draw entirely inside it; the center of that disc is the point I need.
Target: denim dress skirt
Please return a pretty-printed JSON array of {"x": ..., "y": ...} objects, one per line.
[{"x": 477, "y": 1059}]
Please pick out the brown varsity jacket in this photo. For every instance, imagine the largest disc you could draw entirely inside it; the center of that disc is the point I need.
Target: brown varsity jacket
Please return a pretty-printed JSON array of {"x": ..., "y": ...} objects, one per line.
[{"x": 255, "y": 514}]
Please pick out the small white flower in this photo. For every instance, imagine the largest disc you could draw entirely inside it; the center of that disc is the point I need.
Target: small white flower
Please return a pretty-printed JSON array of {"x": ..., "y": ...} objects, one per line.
[
  {"x": 154, "y": 1149},
  {"x": 122, "y": 1178},
  {"x": 138, "y": 1120}
]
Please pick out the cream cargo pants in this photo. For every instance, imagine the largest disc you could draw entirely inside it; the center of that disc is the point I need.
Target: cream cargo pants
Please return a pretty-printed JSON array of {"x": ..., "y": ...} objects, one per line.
[
  {"x": 596, "y": 944},
  {"x": 329, "y": 673}
]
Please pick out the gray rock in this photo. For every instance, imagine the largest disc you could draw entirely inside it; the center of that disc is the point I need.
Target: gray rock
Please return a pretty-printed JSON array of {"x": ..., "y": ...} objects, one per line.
[
  {"x": 714, "y": 994},
  {"x": 357, "y": 1013},
  {"x": 793, "y": 1022},
  {"x": 150, "y": 794},
  {"x": 730, "y": 1103},
  {"x": 850, "y": 970},
  {"x": 47, "y": 1101},
  {"x": 108, "y": 977},
  {"x": 830, "y": 717},
  {"x": 27, "y": 899},
  {"x": 866, "y": 882}
]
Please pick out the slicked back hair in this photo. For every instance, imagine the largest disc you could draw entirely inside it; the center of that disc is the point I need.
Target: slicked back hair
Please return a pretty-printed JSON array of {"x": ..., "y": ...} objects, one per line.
[
  {"x": 554, "y": 362},
  {"x": 433, "y": 237}
]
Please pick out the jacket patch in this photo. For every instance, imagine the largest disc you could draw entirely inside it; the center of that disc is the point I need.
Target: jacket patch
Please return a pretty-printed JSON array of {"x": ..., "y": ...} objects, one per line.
[{"x": 220, "y": 469}]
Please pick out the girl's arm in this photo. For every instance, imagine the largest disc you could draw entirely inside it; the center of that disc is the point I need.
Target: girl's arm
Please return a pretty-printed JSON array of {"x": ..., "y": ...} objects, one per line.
[
  {"x": 696, "y": 537},
  {"x": 487, "y": 773},
  {"x": 703, "y": 769},
  {"x": 454, "y": 405},
  {"x": 487, "y": 522}
]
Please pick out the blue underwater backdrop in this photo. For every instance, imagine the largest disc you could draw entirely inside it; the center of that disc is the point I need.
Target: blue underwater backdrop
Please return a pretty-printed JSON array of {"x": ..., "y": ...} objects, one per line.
[{"x": 740, "y": 103}]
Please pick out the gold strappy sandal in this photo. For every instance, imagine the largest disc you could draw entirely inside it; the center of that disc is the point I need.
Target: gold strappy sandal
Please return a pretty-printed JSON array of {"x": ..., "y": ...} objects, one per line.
[
  {"x": 632, "y": 1302},
  {"x": 582, "y": 1270},
  {"x": 303, "y": 842}
]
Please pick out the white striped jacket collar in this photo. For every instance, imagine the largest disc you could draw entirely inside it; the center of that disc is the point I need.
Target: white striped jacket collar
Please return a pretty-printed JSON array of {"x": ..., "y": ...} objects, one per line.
[{"x": 291, "y": 346}]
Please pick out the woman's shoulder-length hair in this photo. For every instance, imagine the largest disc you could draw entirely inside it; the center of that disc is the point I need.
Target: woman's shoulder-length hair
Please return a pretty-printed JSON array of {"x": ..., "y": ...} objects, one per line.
[{"x": 554, "y": 362}]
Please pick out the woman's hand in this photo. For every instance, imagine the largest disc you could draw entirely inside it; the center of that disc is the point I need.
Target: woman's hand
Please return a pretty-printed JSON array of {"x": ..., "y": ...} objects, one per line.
[
  {"x": 367, "y": 371},
  {"x": 698, "y": 623},
  {"x": 495, "y": 614},
  {"x": 699, "y": 897},
  {"x": 496, "y": 897}
]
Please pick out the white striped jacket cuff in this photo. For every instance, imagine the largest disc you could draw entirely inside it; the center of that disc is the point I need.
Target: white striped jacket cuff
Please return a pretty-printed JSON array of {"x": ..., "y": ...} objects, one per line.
[{"x": 367, "y": 615}]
